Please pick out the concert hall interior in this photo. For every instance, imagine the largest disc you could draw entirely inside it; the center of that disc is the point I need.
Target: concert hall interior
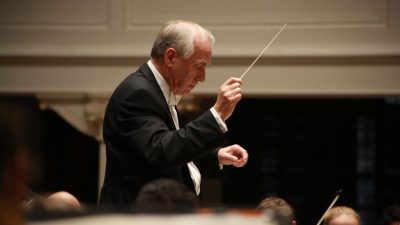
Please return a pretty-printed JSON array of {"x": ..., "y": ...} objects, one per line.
[{"x": 320, "y": 108}]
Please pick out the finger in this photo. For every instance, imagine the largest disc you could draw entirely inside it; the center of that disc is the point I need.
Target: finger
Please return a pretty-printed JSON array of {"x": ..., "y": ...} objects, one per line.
[
  {"x": 236, "y": 80},
  {"x": 236, "y": 98},
  {"x": 241, "y": 153},
  {"x": 236, "y": 91},
  {"x": 232, "y": 80},
  {"x": 239, "y": 163},
  {"x": 238, "y": 149},
  {"x": 230, "y": 90},
  {"x": 232, "y": 158},
  {"x": 228, "y": 159},
  {"x": 234, "y": 86},
  {"x": 245, "y": 156}
]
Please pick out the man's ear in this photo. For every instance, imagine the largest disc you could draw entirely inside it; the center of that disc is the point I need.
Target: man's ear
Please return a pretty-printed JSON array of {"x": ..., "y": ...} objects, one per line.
[{"x": 169, "y": 56}]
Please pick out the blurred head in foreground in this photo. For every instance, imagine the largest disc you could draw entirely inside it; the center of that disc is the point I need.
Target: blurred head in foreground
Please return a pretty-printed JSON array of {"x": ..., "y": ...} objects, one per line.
[
  {"x": 277, "y": 211},
  {"x": 342, "y": 215},
  {"x": 166, "y": 195},
  {"x": 391, "y": 215},
  {"x": 14, "y": 163}
]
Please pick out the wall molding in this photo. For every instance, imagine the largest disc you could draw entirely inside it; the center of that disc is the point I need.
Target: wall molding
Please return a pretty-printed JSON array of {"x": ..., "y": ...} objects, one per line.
[
  {"x": 127, "y": 27},
  {"x": 50, "y": 15},
  {"x": 354, "y": 76},
  {"x": 262, "y": 14}
]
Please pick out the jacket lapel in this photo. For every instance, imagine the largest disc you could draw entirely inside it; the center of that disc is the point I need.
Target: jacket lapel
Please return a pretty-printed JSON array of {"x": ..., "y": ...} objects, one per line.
[{"x": 146, "y": 71}]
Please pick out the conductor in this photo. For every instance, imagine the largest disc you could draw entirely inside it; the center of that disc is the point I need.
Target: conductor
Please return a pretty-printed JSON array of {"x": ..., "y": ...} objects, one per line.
[{"x": 144, "y": 139}]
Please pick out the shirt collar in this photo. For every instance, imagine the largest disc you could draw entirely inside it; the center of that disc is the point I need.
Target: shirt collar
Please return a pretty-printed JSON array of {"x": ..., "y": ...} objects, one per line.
[{"x": 170, "y": 97}]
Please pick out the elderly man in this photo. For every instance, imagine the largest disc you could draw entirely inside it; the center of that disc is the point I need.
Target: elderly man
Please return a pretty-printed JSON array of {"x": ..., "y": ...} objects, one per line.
[{"x": 143, "y": 137}]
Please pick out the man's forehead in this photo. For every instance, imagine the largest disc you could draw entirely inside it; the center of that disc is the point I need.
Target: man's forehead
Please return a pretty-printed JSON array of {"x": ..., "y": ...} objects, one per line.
[{"x": 203, "y": 61}]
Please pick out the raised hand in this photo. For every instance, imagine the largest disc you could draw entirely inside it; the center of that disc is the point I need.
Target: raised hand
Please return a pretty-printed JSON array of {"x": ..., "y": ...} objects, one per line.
[{"x": 229, "y": 95}]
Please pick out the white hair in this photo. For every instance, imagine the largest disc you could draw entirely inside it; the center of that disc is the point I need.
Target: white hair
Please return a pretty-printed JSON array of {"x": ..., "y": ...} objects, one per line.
[{"x": 180, "y": 35}]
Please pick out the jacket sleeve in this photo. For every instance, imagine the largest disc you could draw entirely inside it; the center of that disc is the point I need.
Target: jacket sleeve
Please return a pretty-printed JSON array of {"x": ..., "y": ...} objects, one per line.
[{"x": 147, "y": 130}]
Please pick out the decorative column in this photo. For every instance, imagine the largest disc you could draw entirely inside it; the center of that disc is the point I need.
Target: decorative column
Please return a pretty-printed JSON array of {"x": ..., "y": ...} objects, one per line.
[{"x": 84, "y": 112}]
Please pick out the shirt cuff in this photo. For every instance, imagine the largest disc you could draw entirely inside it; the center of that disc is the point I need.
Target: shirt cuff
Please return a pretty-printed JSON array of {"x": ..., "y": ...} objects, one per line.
[{"x": 220, "y": 122}]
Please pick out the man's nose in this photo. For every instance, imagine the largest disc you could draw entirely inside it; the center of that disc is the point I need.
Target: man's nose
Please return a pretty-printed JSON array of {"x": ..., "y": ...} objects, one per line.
[{"x": 201, "y": 77}]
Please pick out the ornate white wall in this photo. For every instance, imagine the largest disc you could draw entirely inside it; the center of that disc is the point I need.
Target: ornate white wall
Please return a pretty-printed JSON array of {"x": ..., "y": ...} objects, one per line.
[
  {"x": 73, "y": 53},
  {"x": 329, "y": 47}
]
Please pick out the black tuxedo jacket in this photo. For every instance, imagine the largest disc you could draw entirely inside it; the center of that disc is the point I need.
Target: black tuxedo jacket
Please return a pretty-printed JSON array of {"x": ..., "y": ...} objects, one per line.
[{"x": 142, "y": 143}]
